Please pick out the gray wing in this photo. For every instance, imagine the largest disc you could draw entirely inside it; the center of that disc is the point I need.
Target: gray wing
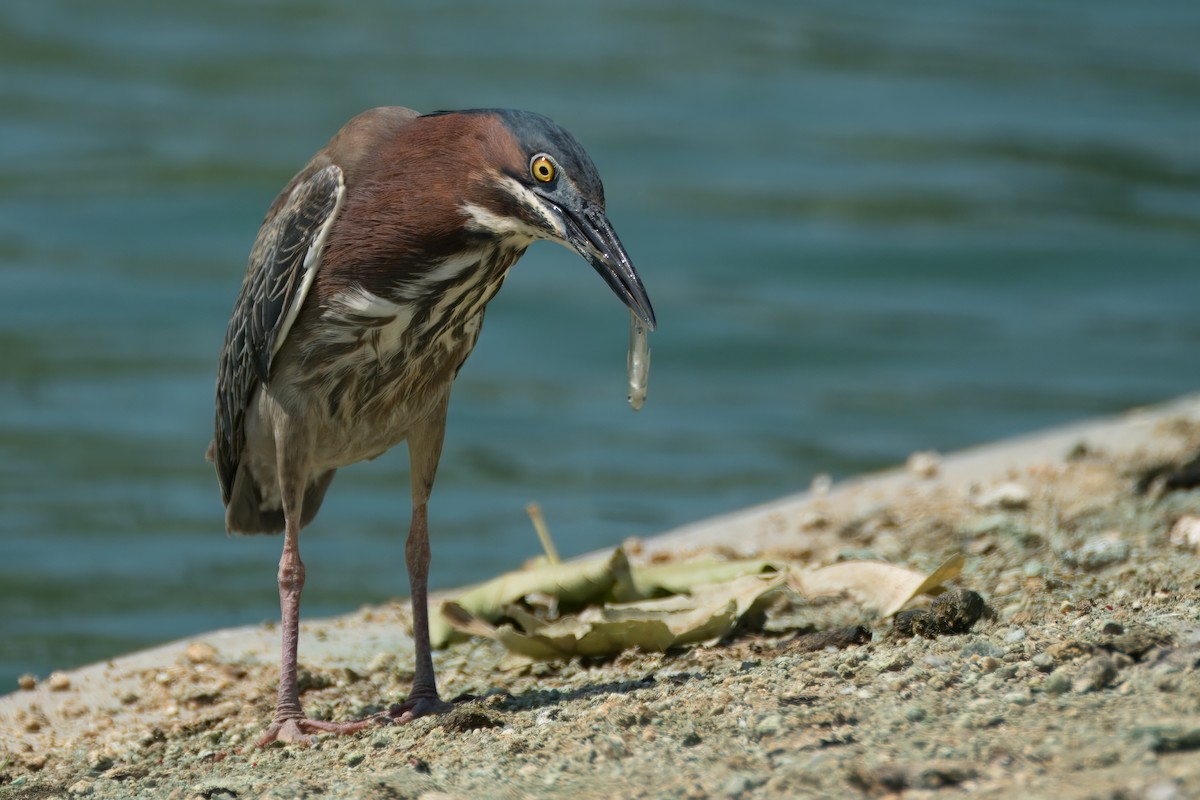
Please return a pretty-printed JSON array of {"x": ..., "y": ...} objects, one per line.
[{"x": 282, "y": 266}]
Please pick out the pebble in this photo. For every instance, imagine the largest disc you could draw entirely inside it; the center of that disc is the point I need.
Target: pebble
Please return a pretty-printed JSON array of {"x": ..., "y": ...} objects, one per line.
[
  {"x": 1163, "y": 790},
  {"x": 769, "y": 725},
  {"x": 924, "y": 464},
  {"x": 1010, "y": 495},
  {"x": 1096, "y": 674},
  {"x": 80, "y": 787},
  {"x": 737, "y": 785},
  {"x": 381, "y": 663},
  {"x": 1169, "y": 739},
  {"x": 200, "y": 652},
  {"x": 1100, "y": 552},
  {"x": 1043, "y": 661},
  {"x": 1014, "y": 635},
  {"x": 1186, "y": 532},
  {"x": 1059, "y": 682},
  {"x": 1007, "y": 671},
  {"x": 611, "y": 747},
  {"x": 59, "y": 682},
  {"x": 98, "y": 761},
  {"x": 27, "y": 682},
  {"x": 982, "y": 648}
]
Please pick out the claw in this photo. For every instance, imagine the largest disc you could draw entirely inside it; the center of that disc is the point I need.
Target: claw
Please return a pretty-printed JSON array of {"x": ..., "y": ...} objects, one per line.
[
  {"x": 413, "y": 707},
  {"x": 303, "y": 730}
]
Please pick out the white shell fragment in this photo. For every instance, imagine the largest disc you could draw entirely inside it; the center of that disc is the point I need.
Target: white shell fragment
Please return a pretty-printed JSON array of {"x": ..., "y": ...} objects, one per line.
[{"x": 639, "y": 362}]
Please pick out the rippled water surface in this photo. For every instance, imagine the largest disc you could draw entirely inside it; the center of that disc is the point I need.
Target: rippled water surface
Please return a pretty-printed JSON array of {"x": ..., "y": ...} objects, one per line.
[{"x": 867, "y": 229}]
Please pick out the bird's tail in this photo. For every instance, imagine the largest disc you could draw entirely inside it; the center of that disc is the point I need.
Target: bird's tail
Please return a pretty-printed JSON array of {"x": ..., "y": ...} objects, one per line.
[{"x": 246, "y": 513}]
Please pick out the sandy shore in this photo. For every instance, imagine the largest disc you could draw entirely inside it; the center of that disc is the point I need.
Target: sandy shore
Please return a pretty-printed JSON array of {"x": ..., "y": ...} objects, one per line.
[{"x": 1082, "y": 679}]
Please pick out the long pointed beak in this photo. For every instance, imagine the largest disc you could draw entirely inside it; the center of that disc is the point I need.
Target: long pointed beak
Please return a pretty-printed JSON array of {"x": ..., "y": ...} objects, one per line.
[{"x": 593, "y": 237}]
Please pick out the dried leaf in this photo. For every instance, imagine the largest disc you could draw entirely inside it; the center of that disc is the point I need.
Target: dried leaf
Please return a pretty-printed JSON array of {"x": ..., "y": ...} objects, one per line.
[
  {"x": 710, "y": 613},
  {"x": 573, "y": 582},
  {"x": 874, "y": 584},
  {"x": 683, "y": 577}
]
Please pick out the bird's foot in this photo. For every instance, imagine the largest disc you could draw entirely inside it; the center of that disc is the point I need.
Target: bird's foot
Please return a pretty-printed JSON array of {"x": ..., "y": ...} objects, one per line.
[
  {"x": 413, "y": 707},
  {"x": 303, "y": 730}
]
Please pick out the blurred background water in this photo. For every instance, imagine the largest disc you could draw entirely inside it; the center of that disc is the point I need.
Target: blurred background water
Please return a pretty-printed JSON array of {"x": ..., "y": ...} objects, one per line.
[{"x": 867, "y": 228}]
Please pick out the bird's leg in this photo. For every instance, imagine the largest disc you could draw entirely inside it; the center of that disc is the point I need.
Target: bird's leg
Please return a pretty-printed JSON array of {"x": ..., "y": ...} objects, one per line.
[
  {"x": 289, "y": 723},
  {"x": 425, "y": 449}
]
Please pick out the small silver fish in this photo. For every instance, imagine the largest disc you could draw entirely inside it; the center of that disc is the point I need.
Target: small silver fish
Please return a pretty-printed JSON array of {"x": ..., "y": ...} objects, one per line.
[{"x": 638, "y": 362}]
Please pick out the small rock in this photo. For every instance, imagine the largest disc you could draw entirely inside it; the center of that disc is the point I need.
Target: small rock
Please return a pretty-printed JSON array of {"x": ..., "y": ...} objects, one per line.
[
  {"x": 924, "y": 464},
  {"x": 1169, "y": 739},
  {"x": 27, "y": 682},
  {"x": 838, "y": 638},
  {"x": 80, "y": 787},
  {"x": 381, "y": 663},
  {"x": 904, "y": 622},
  {"x": 1186, "y": 532},
  {"x": 1096, "y": 674},
  {"x": 813, "y": 519},
  {"x": 612, "y": 747},
  {"x": 1010, "y": 495},
  {"x": 98, "y": 761},
  {"x": 353, "y": 759},
  {"x": 769, "y": 725},
  {"x": 1069, "y": 650},
  {"x": 953, "y": 611},
  {"x": 1043, "y": 661},
  {"x": 462, "y": 720},
  {"x": 1100, "y": 552},
  {"x": 200, "y": 652},
  {"x": 737, "y": 785},
  {"x": 944, "y": 773},
  {"x": 1162, "y": 790},
  {"x": 1007, "y": 672},
  {"x": 892, "y": 778},
  {"x": 1134, "y": 642},
  {"x": 983, "y": 649},
  {"x": 1059, "y": 682}
]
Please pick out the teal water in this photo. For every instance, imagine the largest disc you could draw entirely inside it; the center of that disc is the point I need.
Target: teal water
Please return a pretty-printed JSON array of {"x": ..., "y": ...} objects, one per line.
[{"x": 867, "y": 228}]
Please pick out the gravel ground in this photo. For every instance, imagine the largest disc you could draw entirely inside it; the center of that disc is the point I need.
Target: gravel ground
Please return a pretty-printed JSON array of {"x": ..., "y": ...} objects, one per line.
[{"x": 1080, "y": 678}]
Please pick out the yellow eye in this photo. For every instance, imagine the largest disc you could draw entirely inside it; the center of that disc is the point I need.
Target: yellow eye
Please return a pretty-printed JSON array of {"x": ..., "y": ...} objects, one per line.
[{"x": 542, "y": 169}]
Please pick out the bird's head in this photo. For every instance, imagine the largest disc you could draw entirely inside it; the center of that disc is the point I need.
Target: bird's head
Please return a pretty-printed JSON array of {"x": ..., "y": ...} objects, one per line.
[{"x": 543, "y": 185}]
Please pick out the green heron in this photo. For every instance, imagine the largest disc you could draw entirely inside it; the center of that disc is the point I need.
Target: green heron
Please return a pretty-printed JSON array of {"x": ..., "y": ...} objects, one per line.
[{"x": 363, "y": 296}]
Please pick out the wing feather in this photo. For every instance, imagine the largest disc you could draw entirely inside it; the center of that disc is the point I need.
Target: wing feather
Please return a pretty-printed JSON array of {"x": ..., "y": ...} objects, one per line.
[{"x": 283, "y": 263}]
